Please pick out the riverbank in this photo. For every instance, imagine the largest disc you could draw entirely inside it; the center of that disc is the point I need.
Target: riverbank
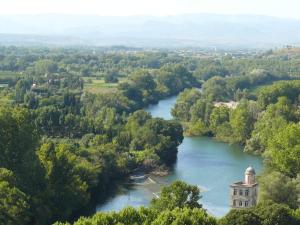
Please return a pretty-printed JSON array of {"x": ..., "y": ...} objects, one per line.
[{"x": 201, "y": 161}]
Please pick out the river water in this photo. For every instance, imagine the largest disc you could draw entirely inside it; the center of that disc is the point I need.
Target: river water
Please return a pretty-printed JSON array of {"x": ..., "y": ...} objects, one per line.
[{"x": 201, "y": 161}]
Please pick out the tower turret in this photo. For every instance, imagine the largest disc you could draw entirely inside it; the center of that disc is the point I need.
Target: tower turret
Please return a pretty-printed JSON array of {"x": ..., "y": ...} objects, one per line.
[{"x": 250, "y": 176}]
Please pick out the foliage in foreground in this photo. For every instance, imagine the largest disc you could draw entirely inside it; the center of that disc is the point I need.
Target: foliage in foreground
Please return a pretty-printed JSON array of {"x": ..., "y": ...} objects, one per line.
[
  {"x": 43, "y": 180},
  {"x": 182, "y": 208}
]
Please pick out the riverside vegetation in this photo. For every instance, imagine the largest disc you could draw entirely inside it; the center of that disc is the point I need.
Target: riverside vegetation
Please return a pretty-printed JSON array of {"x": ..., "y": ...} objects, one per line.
[{"x": 72, "y": 125}]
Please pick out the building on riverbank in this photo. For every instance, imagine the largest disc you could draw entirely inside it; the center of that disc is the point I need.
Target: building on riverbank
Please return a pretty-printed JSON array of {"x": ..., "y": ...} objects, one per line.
[
  {"x": 230, "y": 105},
  {"x": 243, "y": 194}
]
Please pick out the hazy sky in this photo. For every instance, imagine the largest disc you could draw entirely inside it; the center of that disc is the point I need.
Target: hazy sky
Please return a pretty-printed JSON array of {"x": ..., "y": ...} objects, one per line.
[{"x": 280, "y": 8}]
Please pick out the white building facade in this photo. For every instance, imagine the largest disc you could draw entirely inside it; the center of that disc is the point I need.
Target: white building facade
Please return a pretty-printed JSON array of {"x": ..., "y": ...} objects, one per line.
[{"x": 243, "y": 194}]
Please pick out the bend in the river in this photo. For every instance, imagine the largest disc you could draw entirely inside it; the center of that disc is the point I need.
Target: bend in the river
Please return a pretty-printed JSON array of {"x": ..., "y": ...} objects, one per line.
[{"x": 201, "y": 161}]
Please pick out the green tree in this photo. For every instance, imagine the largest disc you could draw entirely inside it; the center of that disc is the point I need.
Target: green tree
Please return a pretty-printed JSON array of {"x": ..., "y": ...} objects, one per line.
[
  {"x": 201, "y": 110},
  {"x": 219, "y": 115},
  {"x": 186, "y": 216},
  {"x": 49, "y": 120},
  {"x": 241, "y": 121},
  {"x": 31, "y": 100},
  {"x": 275, "y": 214},
  {"x": 18, "y": 143},
  {"x": 175, "y": 78},
  {"x": 14, "y": 207},
  {"x": 178, "y": 194},
  {"x": 241, "y": 217},
  {"x": 270, "y": 94},
  {"x": 279, "y": 188},
  {"x": 283, "y": 152},
  {"x": 45, "y": 66},
  {"x": 275, "y": 117},
  {"x": 21, "y": 88},
  {"x": 111, "y": 77},
  {"x": 215, "y": 89},
  {"x": 163, "y": 137},
  {"x": 66, "y": 190},
  {"x": 184, "y": 102}
]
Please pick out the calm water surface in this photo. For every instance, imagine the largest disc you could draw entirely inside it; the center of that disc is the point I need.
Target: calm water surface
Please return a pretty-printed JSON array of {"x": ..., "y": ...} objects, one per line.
[{"x": 201, "y": 161}]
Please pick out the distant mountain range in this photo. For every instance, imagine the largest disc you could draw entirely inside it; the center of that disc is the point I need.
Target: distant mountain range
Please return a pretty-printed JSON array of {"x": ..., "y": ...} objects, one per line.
[{"x": 190, "y": 30}]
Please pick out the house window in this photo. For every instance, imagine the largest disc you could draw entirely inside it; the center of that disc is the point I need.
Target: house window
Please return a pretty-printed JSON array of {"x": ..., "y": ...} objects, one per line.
[
  {"x": 246, "y": 203},
  {"x": 234, "y": 192},
  {"x": 241, "y": 192},
  {"x": 234, "y": 202},
  {"x": 247, "y": 192},
  {"x": 240, "y": 203}
]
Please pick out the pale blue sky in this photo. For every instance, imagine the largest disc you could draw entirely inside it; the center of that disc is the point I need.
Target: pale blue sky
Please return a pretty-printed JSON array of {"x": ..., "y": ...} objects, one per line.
[{"x": 280, "y": 8}]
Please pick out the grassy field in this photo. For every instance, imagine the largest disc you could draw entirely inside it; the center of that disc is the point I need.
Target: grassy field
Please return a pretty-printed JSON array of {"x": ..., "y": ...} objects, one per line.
[
  {"x": 97, "y": 86},
  {"x": 8, "y": 74}
]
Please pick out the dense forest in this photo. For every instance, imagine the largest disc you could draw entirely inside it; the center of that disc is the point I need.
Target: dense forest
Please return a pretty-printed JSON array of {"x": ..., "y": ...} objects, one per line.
[
  {"x": 62, "y": 140},
  {"x": 72, "y": 124},
  {"x": 256, "y": 106}
]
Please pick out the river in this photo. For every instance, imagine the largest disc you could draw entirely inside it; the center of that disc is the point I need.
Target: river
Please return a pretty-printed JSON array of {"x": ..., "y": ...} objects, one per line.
[{"x": 201, "y": 161}]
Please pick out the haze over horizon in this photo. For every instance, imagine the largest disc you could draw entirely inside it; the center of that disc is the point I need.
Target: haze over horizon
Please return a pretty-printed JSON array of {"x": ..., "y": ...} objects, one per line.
[
  {"x": 156, "y": 23},
  {"x": 275, "y": 8}
]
